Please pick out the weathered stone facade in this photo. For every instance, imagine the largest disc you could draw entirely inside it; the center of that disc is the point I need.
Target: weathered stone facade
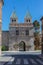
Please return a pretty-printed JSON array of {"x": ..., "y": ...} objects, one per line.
[
  {"x": 21, "y": 32},
  {"x": 5, "y": 38}
]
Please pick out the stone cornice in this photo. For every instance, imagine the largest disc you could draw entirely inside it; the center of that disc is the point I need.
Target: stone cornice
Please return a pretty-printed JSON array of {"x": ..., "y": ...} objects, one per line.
[{"x": 21, "y": 24}]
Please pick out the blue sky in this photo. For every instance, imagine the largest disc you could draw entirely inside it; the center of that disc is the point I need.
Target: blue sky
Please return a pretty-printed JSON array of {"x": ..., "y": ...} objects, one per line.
[{"x": 21, "y": 6}]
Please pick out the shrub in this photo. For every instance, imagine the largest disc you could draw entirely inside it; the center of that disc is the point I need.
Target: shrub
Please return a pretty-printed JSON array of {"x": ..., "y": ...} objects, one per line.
[{"x": 4, "y": 48}]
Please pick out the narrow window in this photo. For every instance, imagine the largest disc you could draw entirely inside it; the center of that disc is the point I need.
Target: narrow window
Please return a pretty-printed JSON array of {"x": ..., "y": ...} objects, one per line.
[
  {"x": 27, "y": 32},
  {"x": 17, "y": 32},
  {"x": 29, "y": 20}
]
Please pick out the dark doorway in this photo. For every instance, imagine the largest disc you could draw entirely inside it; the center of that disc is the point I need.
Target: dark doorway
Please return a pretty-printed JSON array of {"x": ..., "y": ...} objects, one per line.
[{"x": 22, "y": 46}]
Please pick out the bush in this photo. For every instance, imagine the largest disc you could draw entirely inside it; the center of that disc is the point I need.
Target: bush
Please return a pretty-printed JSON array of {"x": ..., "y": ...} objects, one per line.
[{"x": 4, "y": 48}]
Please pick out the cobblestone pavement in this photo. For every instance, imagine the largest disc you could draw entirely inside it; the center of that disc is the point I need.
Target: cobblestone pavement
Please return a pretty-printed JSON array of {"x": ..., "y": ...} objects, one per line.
[{"x": 26, "y": 60}]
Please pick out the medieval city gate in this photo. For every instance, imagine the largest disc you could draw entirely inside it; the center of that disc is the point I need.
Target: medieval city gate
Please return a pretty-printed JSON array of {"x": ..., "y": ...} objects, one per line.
[{"x": 22, "y": 46}]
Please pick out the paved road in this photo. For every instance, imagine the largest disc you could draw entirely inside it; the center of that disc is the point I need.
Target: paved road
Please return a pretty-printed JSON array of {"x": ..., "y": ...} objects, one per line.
[{"x": 26, "y": 60}]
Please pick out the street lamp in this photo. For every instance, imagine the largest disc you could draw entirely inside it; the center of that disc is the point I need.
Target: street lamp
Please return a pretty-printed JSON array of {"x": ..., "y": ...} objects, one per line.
[{"x": 42, "y": 33}]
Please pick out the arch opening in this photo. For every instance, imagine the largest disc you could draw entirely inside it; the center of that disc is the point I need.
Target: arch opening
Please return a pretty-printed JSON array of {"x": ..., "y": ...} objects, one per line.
[{"x": 22, "y": 46}]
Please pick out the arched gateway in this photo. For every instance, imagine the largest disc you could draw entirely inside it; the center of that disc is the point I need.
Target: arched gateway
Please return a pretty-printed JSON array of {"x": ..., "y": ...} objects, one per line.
[{"x": 22, "y": 46}]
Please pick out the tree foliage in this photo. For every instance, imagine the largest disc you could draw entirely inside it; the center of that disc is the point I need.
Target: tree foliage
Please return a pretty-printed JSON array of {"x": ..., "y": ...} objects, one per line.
[
  {"x": 4, "y": 48},
  {"x": 36, "y": 25}
]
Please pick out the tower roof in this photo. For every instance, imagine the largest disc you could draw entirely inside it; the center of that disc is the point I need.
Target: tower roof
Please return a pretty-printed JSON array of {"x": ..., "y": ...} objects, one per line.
[
  {"x": 28, "y": 15},
  {"x": 14, "y": 15}
]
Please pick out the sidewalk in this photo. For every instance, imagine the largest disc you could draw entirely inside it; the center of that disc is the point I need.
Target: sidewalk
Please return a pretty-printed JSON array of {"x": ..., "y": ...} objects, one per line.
[{"x": 21, "y": 52}]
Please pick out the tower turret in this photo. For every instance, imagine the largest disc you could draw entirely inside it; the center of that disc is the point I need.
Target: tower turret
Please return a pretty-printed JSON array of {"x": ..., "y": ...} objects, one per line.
[
  {"x": 28, "y": 17},
  {"x": 14, "y": 17}
]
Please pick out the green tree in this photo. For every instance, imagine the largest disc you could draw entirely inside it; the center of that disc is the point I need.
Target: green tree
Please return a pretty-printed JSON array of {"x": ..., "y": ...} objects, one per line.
[{"x": 36, "y": 34}]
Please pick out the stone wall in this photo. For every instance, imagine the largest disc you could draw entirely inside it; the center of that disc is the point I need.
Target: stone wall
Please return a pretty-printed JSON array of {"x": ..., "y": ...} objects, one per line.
[
  {"x": 5, "y": 38},
  {"x": 16, "y": 39}
]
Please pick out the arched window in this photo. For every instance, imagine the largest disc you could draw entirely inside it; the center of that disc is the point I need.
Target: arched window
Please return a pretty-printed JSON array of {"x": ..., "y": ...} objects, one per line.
[
  {"x": 13, "y": 20},
  {"x": 28, "y": 20}
]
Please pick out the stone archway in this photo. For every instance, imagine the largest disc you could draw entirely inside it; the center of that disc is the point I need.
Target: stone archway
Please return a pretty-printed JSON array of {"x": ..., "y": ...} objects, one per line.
[{"x": 22, "y": 46}]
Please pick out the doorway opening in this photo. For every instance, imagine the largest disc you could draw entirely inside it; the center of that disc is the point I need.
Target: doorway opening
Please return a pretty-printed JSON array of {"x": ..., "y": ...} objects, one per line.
[{"x": 22, "y": 46}]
